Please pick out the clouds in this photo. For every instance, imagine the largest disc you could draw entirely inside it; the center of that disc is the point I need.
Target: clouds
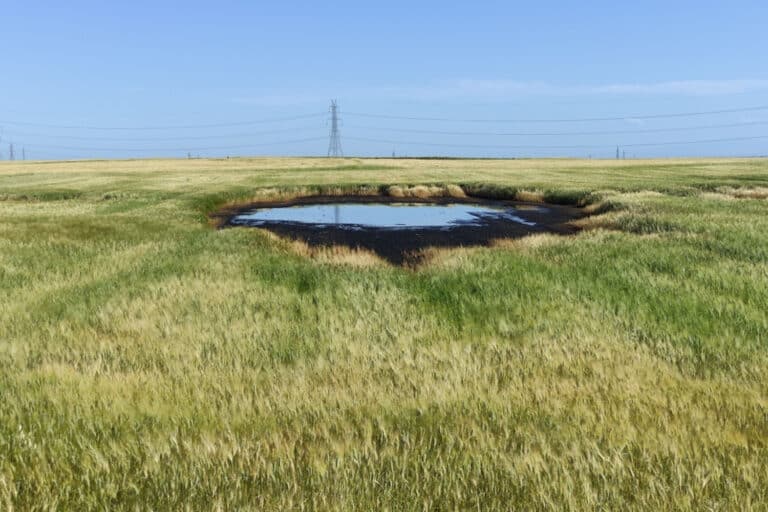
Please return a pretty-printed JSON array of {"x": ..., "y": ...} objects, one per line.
[
  {"x": 497, "y": 88},
  {"x": 501, "y": 90},
  {"x": 685, "y": 88}
]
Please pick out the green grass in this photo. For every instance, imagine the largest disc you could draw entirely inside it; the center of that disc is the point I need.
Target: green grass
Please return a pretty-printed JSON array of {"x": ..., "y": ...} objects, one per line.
[{"x": 149, "y": 361}]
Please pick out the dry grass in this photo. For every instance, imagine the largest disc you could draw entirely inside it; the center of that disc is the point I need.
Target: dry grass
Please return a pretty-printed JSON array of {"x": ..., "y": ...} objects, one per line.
[
  {"x": 745, "y": 193},
  {"x": 424, "y": 192},
  {"x": 531, "y": 242},
  {"x": 530, "y": 196},
  {"x": 454, "y": 191},
  {"x": 337, "y": 255}
]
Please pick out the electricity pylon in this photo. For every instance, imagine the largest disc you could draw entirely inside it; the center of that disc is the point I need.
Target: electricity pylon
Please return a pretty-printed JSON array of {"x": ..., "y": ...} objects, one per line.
[{"x": 334, "y": 145}]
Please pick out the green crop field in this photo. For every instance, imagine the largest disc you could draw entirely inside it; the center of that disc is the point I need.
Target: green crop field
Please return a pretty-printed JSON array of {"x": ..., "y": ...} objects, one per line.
[{"x": 151, "y": 361}]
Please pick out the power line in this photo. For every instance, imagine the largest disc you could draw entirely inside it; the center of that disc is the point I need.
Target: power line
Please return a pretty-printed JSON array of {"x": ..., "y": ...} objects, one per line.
[
  {"x": 168, "y": 127},
  {"x": 397, "y": 142},
  {"x": 153, "y": 139},
  {"x": 579, "y": 146},
  {"x": 385, "y": 116},
  {"x": 400, "y": 130},
  {"x": 705, "y": 141},
  {"x": 334, "y": 148},
  {"x": 560, "y": 134},
  {"x": 573, "y": 120},
  {"x": 184, "y": 149}
]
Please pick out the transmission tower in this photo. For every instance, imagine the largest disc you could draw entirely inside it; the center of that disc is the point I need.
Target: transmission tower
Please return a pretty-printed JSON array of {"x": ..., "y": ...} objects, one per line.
[
  {"x": 334, "y": 146},
  {"x": 11, "y": 156}
]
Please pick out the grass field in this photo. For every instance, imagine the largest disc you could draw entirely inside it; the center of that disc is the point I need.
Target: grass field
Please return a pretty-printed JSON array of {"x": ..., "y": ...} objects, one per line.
[{"x": 149, "y": 360}]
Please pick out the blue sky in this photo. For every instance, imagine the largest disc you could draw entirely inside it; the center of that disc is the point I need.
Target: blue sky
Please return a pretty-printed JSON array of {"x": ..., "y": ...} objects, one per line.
[{"x": 173, "y": 69}]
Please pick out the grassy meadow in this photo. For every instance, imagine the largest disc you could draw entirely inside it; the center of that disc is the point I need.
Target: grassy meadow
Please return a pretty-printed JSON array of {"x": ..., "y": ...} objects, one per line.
[{"x": 151, "y": 361}]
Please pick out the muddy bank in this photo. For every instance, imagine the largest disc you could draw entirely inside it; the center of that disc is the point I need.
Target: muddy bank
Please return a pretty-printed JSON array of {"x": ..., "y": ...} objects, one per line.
[{"x": 400, "y": 246}]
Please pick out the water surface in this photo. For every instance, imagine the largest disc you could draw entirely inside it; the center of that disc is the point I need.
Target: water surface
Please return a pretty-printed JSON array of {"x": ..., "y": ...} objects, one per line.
[{"x": 382, "y": 216}]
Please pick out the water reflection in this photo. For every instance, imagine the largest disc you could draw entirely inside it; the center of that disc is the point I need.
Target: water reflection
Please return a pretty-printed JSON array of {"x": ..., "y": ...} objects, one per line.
[{"x": 389, "y": 216}]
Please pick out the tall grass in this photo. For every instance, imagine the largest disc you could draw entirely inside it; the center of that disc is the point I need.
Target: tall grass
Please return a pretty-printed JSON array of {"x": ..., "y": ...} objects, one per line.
[{"x": 148, "y": 360}]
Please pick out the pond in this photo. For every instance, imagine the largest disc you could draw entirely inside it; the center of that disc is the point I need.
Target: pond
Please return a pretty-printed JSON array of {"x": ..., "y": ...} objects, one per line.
[
  {"x": 383, "y": 216},
  {"x": 399, "y": 230}
]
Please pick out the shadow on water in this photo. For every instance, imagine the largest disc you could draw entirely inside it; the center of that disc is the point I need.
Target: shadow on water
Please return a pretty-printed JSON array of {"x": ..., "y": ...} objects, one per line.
[{"x": 398, "y": 229}]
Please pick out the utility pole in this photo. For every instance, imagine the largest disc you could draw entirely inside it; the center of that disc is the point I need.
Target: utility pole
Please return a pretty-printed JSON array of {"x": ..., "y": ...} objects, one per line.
[
  {"x": 23, "y": 153},
  {"x": 617, "y": 152},
  {"x": 334, "y": 145},
  {"x": 11, "y": 156}
]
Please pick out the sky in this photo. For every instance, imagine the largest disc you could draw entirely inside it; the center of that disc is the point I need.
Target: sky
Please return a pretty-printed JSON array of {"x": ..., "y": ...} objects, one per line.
[{"x": 489, "y": 79}]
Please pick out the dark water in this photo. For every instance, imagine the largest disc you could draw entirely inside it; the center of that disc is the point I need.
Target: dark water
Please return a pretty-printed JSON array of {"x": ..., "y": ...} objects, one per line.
[
  {"x": 384, "y": 216},
  {"x": 399, "y": 231}
]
